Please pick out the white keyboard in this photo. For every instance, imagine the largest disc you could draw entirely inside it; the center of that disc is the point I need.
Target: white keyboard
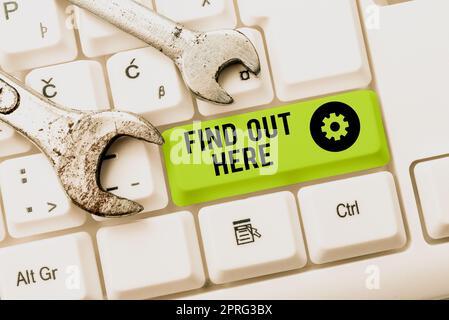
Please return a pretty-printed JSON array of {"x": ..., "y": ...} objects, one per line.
[{"x": 367, "y": 234}]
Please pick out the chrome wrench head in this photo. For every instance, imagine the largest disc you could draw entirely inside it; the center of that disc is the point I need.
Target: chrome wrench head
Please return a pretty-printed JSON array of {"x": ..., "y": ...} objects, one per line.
[
  {"x": 208, "y": 54},
  {"x": 200, "y": 56},
  {"x": 79, "y": 167},
  {"x": 75, "y": 142}
]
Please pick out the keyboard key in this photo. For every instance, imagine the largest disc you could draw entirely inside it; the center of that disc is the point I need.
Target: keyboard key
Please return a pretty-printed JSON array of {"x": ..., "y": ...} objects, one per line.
[
  {"x": 352, "y": 217},
  {"x": 54, "y": 269},
  {"x": 146, "y": 82},
  {"x": 33, "y": 199},
  {"x": 11, "y": 142},
  {"x": 34, "y": 34},
  {"x": 133, "y": 169},
  {"x": 201, "y": 15},
  {"x": 315, "y": 47},
  {"x": 151, "y": 257},
  {"x": 99, "y": 38},
  {"x": 403, "y": 95},
  {"x": 432, "y": 181},
  {"x": 246, "y": 89},
  {"x": 276, "y": 147},
  {"x": 63, "y": 84},
  {"x": 252, "y": 237}
]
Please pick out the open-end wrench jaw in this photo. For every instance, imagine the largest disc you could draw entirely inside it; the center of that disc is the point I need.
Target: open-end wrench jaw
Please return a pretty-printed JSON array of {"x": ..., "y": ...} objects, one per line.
[
  {"x": 79, "y": 168},
  {"x": 202, "y": 62}
]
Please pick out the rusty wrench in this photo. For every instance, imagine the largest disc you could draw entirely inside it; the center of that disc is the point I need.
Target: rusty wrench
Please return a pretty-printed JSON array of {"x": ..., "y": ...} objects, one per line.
[
  {"x": 75, "y": 142},
  {"x": 200, "y": 56}
]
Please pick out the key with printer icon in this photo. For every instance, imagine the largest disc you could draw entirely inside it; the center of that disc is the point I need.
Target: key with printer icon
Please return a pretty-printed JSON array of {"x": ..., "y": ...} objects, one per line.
[{"x": 244, "y": 232}]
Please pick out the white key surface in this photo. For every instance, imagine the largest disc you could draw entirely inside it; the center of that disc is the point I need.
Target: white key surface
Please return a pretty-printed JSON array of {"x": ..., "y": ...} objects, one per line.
[
  {"x": 79, "y": 85},
  {"x": 151, "y": 257},
  {"x": 99, "y": 37},
  {"x": 33, "y": 198},
  {"x": 55, "y": 269},
  {"x": 35, "y": 34},
  {"x": 203, "y": 15},
  {"x": 252, "y": 237},
  {"x": 315, "y": 47},
  {"x": 146, "y": 82},
  {"x": 424, "y": 134},
  {"x": 352, "y": 217},
  {"x": 247, "y": 89},
  {"x": 133, "y": 169},
  {"x": 432, "y": 179},
  {"x": 11, "y": 142}
]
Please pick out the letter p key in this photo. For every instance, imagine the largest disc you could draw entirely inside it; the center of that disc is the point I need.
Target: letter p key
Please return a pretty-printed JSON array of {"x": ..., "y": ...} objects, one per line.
[{"x": 10, "y": 7}]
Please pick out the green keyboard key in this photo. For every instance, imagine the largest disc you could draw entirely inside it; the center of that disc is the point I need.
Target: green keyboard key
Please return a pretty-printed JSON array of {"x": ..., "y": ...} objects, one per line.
[{"x": 275, "y": 147}]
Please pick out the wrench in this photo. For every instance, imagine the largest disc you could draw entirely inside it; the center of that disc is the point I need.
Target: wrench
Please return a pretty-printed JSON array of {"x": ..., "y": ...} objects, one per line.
[
  {"x": 200, "y": 56},
  {"x": 75, "y": 142}
]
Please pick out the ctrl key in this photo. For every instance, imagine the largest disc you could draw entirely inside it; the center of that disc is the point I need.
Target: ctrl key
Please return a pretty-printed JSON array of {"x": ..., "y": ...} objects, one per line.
[
  {"x": 352, "y": 217},
  {"x": 57, "y": 268}
]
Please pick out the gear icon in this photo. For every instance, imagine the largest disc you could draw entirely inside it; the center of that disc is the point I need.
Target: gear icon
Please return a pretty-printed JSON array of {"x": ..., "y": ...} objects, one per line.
[{"x": 335, "y": 127}]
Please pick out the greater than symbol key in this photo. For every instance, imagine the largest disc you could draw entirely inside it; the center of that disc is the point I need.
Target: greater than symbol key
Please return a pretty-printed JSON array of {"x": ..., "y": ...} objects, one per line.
[{"x": 51, "y": 206}]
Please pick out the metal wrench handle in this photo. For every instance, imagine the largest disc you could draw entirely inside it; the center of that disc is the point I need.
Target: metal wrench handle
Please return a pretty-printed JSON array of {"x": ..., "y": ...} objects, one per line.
[
  {"x": 160, "y": 32},
  {"x": 74, "y": 141},
  {"x": 33, "y": 115}
]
